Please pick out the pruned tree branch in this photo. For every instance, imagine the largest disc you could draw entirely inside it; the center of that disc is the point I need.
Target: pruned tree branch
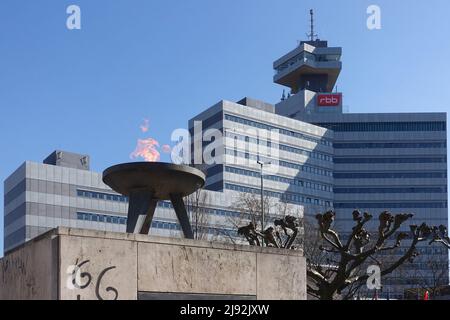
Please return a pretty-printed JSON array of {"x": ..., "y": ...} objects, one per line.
[
  {"x": 440, "y": 235},
  {"x": 345, "y": 275}
]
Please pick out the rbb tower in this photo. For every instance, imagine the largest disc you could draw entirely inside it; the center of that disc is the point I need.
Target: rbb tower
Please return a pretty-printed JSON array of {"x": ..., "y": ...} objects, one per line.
[{"x": 382, "y": 161}]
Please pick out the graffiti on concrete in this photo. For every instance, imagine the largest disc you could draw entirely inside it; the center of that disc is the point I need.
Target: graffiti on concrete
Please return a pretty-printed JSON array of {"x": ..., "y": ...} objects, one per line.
[
  {"x": 75, "y": 281},
  {"x": 82, "y": 280},
  {"x": 108, "y": 289},
  {"x": 13, "y": 263}
]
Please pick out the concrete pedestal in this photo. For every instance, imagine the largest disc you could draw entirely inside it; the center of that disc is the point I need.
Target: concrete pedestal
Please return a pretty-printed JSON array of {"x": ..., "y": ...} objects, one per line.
[{"x": 70, "y": 264}]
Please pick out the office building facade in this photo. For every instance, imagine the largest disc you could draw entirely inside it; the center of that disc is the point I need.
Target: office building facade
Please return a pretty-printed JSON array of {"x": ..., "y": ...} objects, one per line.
[{"x": 297, "y": 157}]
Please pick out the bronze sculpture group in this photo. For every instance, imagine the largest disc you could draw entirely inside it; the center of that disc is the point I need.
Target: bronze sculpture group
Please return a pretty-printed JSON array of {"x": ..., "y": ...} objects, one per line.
[{"x": 282, "y": 235}]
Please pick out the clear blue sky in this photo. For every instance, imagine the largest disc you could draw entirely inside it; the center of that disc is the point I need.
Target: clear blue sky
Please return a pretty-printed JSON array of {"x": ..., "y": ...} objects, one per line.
[{"x": 88, "y": 90}]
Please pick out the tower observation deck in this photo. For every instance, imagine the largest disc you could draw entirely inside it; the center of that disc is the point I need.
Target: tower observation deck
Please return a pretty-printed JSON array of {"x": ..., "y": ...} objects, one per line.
[{"x": 311, "y": 66}]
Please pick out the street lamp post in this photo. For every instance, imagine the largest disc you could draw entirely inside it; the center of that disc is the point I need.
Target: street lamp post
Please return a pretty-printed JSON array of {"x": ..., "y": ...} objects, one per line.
[{"x": 262, "y": 194}]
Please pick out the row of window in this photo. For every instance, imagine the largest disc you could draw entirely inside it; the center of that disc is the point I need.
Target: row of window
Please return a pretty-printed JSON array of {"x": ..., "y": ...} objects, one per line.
[
  {"x": 308, "y": 169},
  {"x": 306, "y": 56},
  {"x": 294, "y": 182},
  {"x": 101, "y": 218},
  {"x": 389, "y": 296},
  {"x": 427, "y": 250},
  {"x": 155, "y": 224},
  {"x": 393, "y": 190},
  {"x": 161, "y": 204},
  {"x": 14, "y": 192},
  {"x": 211, "y": 231},
  {"x": 313, "y": 155},
  {"x": 391, "y": 160},
  {"x": 288, "y": 197},
  {"x": 101, "y": 196},
  {"x": 301, "y": 57},
  {"x": 409, "y": 281},
  {"x": 212, "y": 171},
  {"x": 216, "y": 186},
  {"x": 390, "y": 175},
  {"x": 425, "y": 266},
  {"x": 209, "y": 122},
  {"x": 281, "y": 130},
  {"x": 350, "y": 127},
  {"x": 304, "y": 168},
  {"x": 384, "y": 205},
  {"x": 15, "y": 238},
  {"x": 385, "y": 126},
  {"x": 222, "y": 213},
  {"x": 217, "y": 212},
  {"x": 390, "y": 145},
  {"x": 283, "y": 147}
]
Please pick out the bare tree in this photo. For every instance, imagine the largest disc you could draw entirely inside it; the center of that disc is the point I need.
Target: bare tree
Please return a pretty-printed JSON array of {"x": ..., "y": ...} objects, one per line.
[
  {"x": 432, "y": 276},
  {"x": 249, "y": 205},
  {"x": 311, "y": 243},
  {"x": 343, "y": 274},
  {"x": 198, "y": 216},
  {"x": 282, "y": 221},
  {"x": 440, "y": 235}
]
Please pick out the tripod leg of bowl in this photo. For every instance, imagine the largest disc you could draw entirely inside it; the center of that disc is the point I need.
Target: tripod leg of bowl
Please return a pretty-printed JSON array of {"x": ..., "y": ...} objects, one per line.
[
  {"x": 183, "y": 218},
  {"x": 140, "y": 211},
  {"x": 146, "y": 225}
]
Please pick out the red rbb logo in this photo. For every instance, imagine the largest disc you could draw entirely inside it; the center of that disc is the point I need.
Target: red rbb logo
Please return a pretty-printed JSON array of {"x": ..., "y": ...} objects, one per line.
[{"x": 329, "y": 100}]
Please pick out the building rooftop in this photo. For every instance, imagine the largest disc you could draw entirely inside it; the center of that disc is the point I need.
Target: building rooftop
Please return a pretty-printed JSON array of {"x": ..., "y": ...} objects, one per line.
[{"x": 68, "y": 159}]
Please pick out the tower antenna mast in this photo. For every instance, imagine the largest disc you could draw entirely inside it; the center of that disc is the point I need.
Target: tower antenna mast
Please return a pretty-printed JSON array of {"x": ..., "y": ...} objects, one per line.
[{"x": 312, "y": 35}]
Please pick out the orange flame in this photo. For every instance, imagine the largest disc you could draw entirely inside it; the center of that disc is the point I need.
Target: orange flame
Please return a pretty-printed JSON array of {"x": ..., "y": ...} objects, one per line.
[{"x": 146, "y": 149}]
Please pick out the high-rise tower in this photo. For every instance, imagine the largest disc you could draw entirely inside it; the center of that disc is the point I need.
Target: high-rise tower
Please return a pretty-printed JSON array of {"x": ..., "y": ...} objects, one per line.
[
  {"x": 311, "y": 71},
  {"x": 382, "y": 161}
]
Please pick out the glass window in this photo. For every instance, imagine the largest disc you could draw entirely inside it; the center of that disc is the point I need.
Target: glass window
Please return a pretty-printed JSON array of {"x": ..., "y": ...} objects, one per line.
[
  {"x": 385, "y": 126},
  {"x": 390, "y": 160}
]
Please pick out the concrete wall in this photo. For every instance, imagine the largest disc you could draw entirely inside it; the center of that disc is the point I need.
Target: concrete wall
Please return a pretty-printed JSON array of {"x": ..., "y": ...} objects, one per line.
[
  {"x": 72, "y": 264},
  {"x": 30, "y": 272}
]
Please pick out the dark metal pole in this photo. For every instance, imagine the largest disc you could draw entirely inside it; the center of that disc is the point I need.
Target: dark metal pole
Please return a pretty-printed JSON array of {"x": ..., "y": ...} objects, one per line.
[
  {"x": 262, "y": 196},
  {"x": 262, "y": 199}
]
